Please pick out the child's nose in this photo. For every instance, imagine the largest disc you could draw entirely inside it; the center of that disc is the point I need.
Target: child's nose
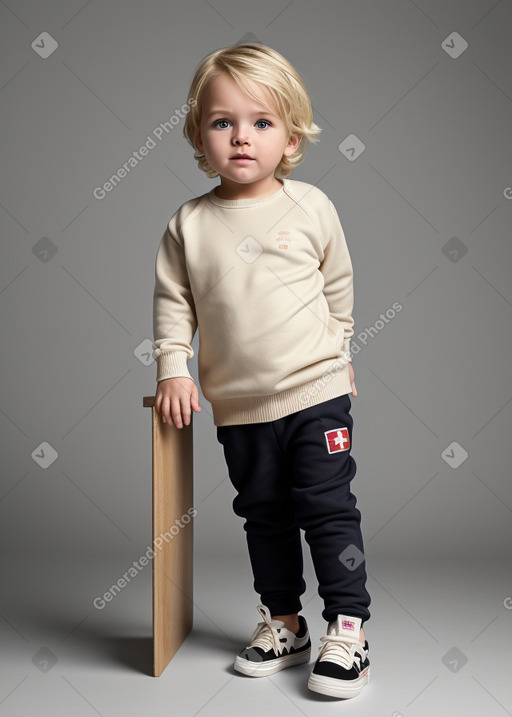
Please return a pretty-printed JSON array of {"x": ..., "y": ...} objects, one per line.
[{"x": 240, "y": 136}]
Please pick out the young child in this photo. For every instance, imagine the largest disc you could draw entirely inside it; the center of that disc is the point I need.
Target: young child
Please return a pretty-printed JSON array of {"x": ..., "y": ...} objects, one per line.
[{"x": 260, "y": 266}]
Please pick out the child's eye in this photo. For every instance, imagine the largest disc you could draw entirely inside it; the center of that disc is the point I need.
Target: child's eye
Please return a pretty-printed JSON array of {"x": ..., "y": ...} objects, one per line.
[
  {"x": 220, "y": 122},
  {"x": 263, "y": 122}
]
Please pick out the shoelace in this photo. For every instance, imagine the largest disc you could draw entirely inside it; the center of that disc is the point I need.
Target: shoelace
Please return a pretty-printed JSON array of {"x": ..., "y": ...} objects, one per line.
[
  {"x": 266, "y": 637},
  {"x": 339, "y": 649}
]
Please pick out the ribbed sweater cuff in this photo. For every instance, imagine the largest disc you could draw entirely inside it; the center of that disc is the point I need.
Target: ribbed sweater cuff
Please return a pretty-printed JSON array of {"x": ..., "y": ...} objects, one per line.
[{"x": 171, "y": 364}]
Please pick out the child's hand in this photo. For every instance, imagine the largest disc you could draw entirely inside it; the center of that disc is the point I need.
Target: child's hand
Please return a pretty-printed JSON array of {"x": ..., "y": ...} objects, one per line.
[
  {"x": 352, "y": 379},
  {"x": 174, "y": 399}
]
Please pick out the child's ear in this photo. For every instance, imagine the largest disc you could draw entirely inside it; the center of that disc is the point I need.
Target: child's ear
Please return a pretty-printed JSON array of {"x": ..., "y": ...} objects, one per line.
[{"x": 293, "y": 144}]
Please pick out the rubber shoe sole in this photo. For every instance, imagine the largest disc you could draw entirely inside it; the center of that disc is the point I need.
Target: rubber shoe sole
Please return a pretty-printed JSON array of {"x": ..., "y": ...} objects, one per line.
[
  {"x": 338, "y": 688},
  {"x": 269, "y": 667}
]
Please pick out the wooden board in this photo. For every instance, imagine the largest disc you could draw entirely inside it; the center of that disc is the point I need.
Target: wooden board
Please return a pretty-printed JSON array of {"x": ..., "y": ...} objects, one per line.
[{"x": 173, "y": 494}]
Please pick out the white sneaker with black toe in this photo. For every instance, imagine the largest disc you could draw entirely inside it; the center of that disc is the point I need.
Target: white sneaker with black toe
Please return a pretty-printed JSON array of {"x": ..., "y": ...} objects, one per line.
[
  {"x": 273, "y": 647},
  {"x": 342, "y": 667}
]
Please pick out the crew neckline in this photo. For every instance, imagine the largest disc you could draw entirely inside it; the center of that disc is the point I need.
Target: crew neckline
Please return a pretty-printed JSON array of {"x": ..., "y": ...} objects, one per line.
[{"x": 248, "y": 201}]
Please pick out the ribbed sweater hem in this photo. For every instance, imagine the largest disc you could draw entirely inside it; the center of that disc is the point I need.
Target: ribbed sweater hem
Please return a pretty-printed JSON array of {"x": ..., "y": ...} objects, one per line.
[{"x": 258, "y": 409}]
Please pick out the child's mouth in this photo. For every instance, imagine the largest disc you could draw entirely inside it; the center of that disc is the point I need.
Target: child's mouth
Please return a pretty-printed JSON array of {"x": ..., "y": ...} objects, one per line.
[{"x": 242, "y": 159}]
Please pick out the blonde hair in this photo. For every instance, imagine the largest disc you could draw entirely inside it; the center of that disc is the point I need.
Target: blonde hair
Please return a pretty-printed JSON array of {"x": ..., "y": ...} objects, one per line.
[{"x": 266, "y": 66}]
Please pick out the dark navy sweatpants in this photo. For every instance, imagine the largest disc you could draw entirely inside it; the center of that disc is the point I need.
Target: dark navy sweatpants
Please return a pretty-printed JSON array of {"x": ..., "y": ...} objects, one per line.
[{"x": 290, "y": 474}]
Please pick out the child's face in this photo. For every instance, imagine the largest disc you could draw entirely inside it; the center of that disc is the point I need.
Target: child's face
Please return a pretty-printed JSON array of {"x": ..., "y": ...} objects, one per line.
[{"x": 232, "y": 124}]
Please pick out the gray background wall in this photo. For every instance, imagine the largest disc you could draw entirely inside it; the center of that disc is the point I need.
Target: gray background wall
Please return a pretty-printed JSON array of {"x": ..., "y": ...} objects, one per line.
[{"x": 426, "y": 209}]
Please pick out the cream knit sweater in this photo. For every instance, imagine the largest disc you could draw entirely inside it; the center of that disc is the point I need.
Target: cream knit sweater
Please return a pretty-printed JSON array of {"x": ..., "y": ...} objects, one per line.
[{"x": 268, "y": 283}]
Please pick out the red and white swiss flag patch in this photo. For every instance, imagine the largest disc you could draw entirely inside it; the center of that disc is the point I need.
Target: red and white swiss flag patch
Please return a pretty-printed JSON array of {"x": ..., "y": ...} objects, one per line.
[{"x": 337, "y": 440}]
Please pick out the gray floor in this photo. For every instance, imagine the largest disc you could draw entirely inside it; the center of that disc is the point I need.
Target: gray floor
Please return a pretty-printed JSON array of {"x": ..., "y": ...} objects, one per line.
[{"x": 440, "y": 644}]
